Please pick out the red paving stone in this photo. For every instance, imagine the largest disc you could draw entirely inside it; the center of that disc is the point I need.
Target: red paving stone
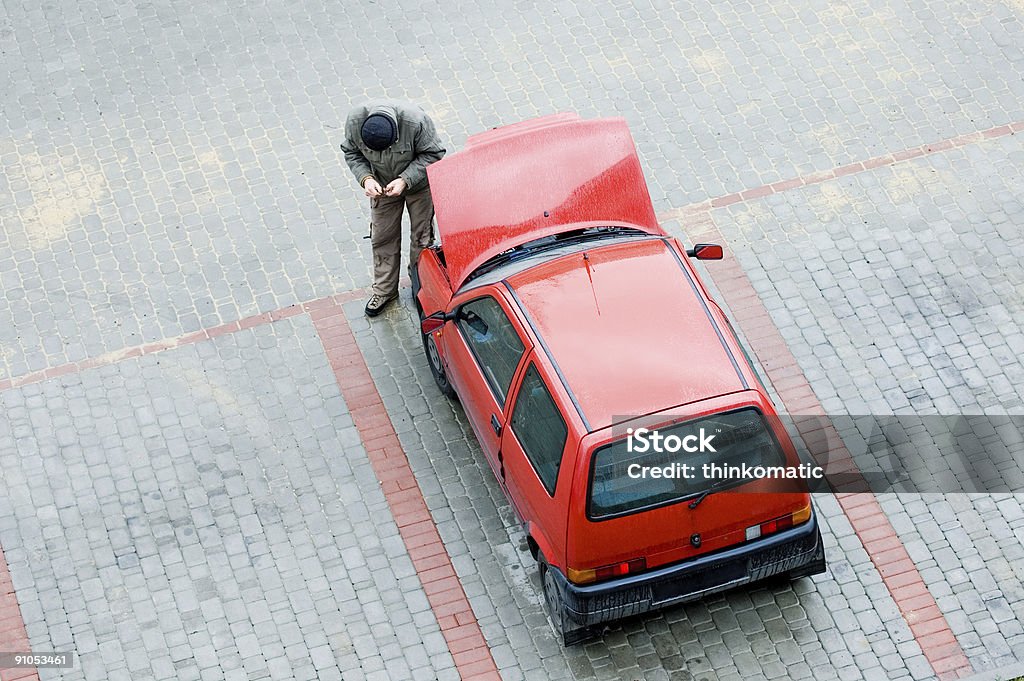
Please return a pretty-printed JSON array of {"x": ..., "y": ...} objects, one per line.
[
  {"x": 330, "y": 302},
  {"x": 416, "y": 527},
  {"x": 433, "y": 566},
  {"x": 13, "y": 637},
  {"x": 890, "y": 557},
  {"x": 841, "y": 171}
]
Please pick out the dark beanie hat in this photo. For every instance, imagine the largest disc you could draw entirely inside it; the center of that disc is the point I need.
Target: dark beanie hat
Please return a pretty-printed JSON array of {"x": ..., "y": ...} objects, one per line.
[{"x": 378, "y": 132}]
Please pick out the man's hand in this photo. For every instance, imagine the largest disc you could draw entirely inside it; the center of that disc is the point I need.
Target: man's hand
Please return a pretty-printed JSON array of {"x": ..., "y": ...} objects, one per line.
[
  {"x": 372, "y": 187},
  {"x": 395, "y": 187}
]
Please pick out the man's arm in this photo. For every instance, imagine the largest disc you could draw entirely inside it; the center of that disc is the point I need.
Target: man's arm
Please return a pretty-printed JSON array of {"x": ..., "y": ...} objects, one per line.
[
  {"x": 427, "y": 150},
  {"x": 357, "y": 163}
]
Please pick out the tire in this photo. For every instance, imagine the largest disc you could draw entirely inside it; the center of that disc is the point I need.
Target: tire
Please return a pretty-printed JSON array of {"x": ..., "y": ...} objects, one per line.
[
  {"x": 815, "y": 567},
  {"x": 569, "y": 633},
  {"x": 429, "y": 346},
  {"x": 437, "y": 367}
]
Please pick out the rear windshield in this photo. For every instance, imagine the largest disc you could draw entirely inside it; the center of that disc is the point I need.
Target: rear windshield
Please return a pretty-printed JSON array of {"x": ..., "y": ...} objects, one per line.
[{"x": 617, "y": 486}]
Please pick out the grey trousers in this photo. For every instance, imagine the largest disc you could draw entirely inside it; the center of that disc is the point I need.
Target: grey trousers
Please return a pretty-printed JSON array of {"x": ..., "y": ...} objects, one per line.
[{"x": 386, "y": 235}]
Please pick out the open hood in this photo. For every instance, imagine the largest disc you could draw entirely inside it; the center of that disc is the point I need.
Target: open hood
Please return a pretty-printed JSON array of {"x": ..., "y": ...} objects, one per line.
[{"x": 533, "y": 179}]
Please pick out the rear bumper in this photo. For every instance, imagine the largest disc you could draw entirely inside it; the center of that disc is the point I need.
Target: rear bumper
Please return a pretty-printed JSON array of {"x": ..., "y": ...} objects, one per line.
[{"x": 798, "y": 551}]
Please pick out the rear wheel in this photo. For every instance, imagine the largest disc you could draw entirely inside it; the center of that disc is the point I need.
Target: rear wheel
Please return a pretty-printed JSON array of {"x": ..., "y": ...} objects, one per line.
[
  {"x": 568, "y": 632},
  {"x": 815, "y": 567}
]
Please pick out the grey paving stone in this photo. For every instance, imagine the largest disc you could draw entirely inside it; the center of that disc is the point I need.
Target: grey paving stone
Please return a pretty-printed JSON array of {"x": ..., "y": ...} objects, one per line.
[
  {"x": 238, "y": 562},
  {"x": 177, "y": 166},
  {"x": 183, "y": 192},
  {"x": 956, "y": 540}
]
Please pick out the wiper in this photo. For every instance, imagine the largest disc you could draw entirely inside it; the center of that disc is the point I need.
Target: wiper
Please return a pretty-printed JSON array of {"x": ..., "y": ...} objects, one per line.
[
  {"x": 592, "y": 233},
  {"x": 497, "y": 261},
  {"x": 700, "y": 497},
  {"x": 549, "y": 243},
  {"x": 704, "y": 495}
]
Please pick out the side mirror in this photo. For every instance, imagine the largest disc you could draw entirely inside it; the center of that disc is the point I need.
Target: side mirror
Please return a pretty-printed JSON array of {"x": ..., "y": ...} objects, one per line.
[
  {"x": 434, "y": 322},
  {"x": 706, "y": 252}
]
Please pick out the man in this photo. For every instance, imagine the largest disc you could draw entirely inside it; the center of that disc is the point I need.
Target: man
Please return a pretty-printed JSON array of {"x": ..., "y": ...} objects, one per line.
[{"x": 388, "y": 146}]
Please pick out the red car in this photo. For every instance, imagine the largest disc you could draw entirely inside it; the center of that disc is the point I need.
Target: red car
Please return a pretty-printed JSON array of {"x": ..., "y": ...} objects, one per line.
[{"x": 565, "y": 320}]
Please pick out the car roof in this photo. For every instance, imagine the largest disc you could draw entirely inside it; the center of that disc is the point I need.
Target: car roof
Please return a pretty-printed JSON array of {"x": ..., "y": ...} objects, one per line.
[
  {"x": 628, "y": 330},
  {"x": 532, "y": 179}
]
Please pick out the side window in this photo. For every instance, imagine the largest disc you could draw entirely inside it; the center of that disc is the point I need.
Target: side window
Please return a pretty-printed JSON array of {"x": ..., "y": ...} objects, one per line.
[
  {"x": 540, "y": 428},
  {"x": 494, "y": 342}
]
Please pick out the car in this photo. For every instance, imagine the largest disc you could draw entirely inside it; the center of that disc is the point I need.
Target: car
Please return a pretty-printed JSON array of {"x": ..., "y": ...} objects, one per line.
[{"x": 566, "y": 320}]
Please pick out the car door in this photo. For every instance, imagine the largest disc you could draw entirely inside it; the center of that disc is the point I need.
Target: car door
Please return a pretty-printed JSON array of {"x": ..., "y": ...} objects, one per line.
[
  {"x": 536, "y": 448},
  {"x": 485, "y": 353}
]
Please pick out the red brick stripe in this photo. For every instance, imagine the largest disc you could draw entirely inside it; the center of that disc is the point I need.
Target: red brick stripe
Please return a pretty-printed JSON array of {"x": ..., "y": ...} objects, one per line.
[
  {"x": 848, "y": 169},
  {"x": 898, "y": 571},
  {"x": 176, "y": 341},
  {"x": 444, "y": 592},
  {"x": 13, "y": 637},
  {"x": 433, "y": 566}
]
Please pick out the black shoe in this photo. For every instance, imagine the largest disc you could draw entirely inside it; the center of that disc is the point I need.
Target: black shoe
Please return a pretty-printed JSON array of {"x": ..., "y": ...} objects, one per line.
[{"x": 377, "y": 304}]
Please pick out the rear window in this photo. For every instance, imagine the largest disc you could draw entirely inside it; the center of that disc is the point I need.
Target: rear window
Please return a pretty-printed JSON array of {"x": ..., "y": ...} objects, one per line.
[{"x": 739, "y": 437}]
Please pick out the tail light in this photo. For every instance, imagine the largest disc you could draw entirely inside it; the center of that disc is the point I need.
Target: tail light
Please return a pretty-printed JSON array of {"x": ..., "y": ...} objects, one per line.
[
  {"x": 605, "y": 572},
  {"x": 801, "y": 515}
]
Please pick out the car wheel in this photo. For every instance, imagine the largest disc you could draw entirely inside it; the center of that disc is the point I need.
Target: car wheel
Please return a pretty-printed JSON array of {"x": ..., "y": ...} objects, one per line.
[
  {"x": 436, "y": 366},
  {"x": 567, "y": 631}
]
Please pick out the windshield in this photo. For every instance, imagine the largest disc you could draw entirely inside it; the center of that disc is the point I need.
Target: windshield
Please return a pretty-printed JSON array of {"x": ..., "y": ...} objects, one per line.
[{"x": 622, "y": 481}]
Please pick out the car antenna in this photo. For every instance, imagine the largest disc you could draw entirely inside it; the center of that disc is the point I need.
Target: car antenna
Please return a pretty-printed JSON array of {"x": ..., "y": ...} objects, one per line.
[{"x": 586, "y": 263}]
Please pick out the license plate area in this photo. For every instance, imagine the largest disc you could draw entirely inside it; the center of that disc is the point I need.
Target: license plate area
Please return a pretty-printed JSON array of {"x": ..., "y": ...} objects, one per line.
[{"x": 709, "y": 578}]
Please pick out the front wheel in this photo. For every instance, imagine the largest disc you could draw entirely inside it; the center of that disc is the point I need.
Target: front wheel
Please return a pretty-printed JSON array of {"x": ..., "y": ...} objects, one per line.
[{"x": 436, "y": 366}]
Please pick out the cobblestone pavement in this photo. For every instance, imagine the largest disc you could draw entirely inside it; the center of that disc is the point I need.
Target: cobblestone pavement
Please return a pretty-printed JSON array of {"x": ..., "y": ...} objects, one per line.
[
  {"x": 169, "y": 166},
  {"x": 209, "y": 511},
  {"x": 909, "y": 279}
]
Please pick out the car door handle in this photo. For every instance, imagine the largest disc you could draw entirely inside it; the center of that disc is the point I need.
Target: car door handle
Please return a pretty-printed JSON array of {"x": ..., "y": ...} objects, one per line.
[{"x": 496, "y": 425}]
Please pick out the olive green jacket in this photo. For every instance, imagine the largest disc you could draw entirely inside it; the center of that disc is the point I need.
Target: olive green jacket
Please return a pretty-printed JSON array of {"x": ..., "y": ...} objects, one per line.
[{"x": 417, "y": 146}]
